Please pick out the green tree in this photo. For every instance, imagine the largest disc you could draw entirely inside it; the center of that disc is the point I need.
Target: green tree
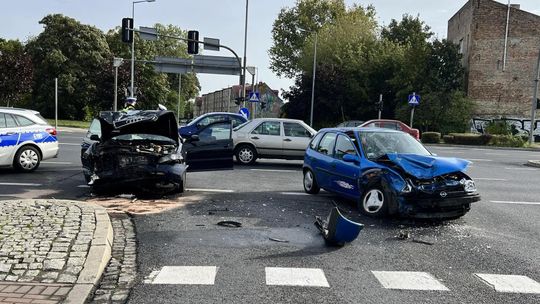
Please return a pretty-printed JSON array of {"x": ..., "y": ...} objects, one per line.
[
  {"x": 15, "y": 73},
  {"x": 78, "y": 55}
]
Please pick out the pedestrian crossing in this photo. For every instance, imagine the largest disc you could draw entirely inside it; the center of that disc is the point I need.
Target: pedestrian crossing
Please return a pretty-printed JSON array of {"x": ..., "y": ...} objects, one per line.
[{"x": 316, "y": 278}]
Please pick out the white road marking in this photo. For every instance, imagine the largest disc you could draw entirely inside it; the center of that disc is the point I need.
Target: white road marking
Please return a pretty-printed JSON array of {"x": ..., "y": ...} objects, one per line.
[
  {"x": 516, "y": 203},
  {"x": 293, "y": 193},
  {"x": 21, "y": 184},
  {"x": 311, "y": 277},
  {"x": 210, "y": 190},
  {"x": 480, "y": 159},
  {"x": 186, "y": 275},
  {"x": 83, "y": 186},
  {"x": 408, "y": 280},
  {"x": 510, "y": 283},
  {"x": 517, "y": 168},
  {"x": 57, "y": 162},
  {"x": 497, "y": 154},
  {"x": 489, "y": 179},
  {"x": 68, "y": 144},
  {"x": 274, "y": 170}
]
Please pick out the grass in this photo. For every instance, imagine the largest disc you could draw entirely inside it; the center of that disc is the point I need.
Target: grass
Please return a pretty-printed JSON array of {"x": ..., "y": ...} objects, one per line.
[{"x": 70, "y": 123}]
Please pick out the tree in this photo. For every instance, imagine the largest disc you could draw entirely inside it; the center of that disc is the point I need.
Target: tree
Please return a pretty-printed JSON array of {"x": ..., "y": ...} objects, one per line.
[
  {"x": 78, "y": 55},
  {"x": 15, "y": 72}
]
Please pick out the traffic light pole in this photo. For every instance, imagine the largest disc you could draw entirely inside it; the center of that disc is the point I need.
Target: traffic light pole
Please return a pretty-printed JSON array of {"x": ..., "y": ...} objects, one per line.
[{"x": 534, "y": 100}]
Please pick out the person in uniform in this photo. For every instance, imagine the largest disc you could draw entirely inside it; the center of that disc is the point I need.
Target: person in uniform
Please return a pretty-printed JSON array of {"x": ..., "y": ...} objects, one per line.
[{"x": 129, "y": 104}]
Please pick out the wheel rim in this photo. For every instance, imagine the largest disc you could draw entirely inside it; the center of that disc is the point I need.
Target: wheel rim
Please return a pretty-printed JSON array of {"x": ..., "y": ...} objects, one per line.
[
  {"x": 245, "y": 155},
  {"x": 373, "y": 201},
  {"x": 308, "y": 180},
  {"x": 28, "y": 159}
]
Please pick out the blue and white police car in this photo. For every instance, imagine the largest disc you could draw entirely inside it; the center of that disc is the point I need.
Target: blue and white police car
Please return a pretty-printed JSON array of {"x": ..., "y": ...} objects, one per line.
[{"x": 25, "y": 139}]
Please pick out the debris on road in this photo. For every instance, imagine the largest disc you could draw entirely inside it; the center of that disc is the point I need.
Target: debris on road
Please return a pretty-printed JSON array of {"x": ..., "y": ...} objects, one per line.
[
  {"x": 126, "y": 196},
  {"x": 230, "y": 224},
  {"x": 213, "y": 211},
  {"x": 422, "y": 242},
  {"x": 278, "y": 240},
  {"x": 403, "y": 235},
  {"x": 338, "y": 230}
]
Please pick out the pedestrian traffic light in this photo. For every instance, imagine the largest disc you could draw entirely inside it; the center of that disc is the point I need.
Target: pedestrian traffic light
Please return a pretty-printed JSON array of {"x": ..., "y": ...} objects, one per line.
[
  {"x": 127, "y": 30},
  {"x": 193, "y": 44},
  {"x": 263, "y": 105},
  {"x": 238, "y": 100},
  {"x": 537, "y": 103}
]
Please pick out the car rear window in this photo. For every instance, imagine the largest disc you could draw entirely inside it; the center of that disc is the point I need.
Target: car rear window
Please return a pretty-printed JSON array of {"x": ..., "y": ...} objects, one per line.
[
  {"x": 23, "y": 121},
  {"x": 10, "y": 121},
  {"x": 2, "y": 120}
]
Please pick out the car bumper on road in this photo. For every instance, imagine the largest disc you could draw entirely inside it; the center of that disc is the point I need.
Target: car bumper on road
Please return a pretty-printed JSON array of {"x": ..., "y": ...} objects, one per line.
[{"x": 438, "y": 208}]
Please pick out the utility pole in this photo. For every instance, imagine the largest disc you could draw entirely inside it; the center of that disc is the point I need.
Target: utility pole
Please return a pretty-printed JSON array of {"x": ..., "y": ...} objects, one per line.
[
  {"x": 56, "y": 103},
  {"x": 534, "y": 100},
  {"x": 179, "y": 96},
  {"x": 506, "y": 36},
  {"x": 313, "y": 81},
  {"x": 380, "y": 105},
  {"x": 245, "y": 50},
  {"x": 412, "y": 111}
]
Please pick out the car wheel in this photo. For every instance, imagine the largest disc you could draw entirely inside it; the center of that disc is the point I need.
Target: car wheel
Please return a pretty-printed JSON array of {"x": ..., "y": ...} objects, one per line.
[
  {"x": 374, "y": 202},
  {"x": 27, "y": 159},
  {"x": 182, "y": 184},
  {"x": 310, "y": 183},
  {"x": 246, "y": 155}
]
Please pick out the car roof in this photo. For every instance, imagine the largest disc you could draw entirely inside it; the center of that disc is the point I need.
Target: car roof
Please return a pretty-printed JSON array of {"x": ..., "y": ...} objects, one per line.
[
  {"x": 277, "y": 119},
  {"x": 18, "y": 110},
  {"x": 220, "y": 113},
  {"x": 360, "y": 129}
]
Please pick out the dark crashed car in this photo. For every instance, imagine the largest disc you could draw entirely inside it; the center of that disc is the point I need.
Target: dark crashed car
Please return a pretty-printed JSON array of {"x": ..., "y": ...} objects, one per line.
[
  {"x": 388, "y": 172},
  {"x": 140, "y": 149}
]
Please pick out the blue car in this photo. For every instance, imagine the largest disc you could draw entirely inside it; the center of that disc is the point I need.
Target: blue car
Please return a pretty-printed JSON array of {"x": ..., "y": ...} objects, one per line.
[
  {"x": 388, "y": 172},
  {"x": 202, "y": 121}
]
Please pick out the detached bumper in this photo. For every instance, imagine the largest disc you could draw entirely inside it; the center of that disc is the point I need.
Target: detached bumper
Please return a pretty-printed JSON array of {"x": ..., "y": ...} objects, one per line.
[
  {"x": 142, "y": 175},
  {"x": 438, "y": 207}
]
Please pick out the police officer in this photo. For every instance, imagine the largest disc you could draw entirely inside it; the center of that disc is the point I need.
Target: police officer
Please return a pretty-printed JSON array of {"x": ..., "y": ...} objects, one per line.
[{"x": 129, "y": 104}]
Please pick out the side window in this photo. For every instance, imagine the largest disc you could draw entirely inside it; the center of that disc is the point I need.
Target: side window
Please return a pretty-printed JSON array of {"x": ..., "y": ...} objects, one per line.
[
  {"x": 2, "y": 120},
  {"x": 23, "y": 121},
  {"x": 267, "y": 128},
  {"x": 343, "y": 146},
  {"x": 10, "y": 121},
  {"x": 295, "y": 130},
  {"x": 236, "y": 121},
  {"x": 211, "y": 119},
  {"x": 326, "y": 146},
  {"x": 95, "y": 128},
  {"x": 217, "y": 131},
  {"x": 315, "y": 140}
]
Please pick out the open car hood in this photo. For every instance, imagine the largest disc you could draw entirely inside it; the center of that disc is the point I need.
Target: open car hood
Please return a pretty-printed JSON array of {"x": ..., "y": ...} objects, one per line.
[
  {"x": 138, "y": 122},
  {"x": 426, "y": 167}
]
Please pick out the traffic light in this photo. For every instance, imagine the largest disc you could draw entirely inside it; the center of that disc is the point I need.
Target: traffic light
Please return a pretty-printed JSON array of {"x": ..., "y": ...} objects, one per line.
[
  {"x": 193, "y": 45},
  {"x": 263, "y": 105},
  {"x": 238, "y": 100},
  {"x": 127, "y": 27},
  {"x": 537, "y": 103}
]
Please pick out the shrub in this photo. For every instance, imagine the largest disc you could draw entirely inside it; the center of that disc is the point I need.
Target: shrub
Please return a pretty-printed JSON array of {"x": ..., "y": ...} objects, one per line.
[
  {"x": 449, "y": 139},
  {"x": 506, "y": 141},
  {"x": 431, "y": 137},
  {"x": 499, "y": 127},
  {"x": 467, "y": 138}
]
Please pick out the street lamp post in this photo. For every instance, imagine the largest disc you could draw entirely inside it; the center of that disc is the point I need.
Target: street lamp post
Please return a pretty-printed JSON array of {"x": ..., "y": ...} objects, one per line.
[
  {"x": 313, "y": 80},
  {"x": 245, "y": 50},
  {"x": 116, "y": 63},
  {"x": 132, "y": 93}
]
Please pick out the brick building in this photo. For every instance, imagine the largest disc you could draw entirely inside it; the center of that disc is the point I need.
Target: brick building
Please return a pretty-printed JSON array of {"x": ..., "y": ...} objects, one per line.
[
  {"x": 479, "y": 28},
  {"x": 223, "y": 101}
]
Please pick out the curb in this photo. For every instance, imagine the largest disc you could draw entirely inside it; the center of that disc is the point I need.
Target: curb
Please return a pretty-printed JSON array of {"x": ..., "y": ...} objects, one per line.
[
  {"x": 484, "y": 147},
  {"x": 97, "y": 259},
  {"x": 533, "y": 163},
  {"x": 71, "y": 129}
]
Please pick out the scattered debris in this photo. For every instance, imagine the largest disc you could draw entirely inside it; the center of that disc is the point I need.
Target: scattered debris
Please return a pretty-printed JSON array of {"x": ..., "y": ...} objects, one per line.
[
  {"x": 200, "y": 225},
  {"x": 127, "y": 196},
  {"x": 422, "y": 242},
  {"x": 213, "y": 211},
  {"x": 338, "y": 230},
  {"x": 278, "y": 240},
  {"x": 230, "y": 224},
  {"x": 403, "y": 235}
]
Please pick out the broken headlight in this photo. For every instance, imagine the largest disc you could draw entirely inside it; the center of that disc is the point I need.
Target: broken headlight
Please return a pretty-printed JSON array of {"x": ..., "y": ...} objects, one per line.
[
  {"x": 176, "y": 158},
  {"x": 468, "y": 185},
  {"x": 407, "y": 188}
]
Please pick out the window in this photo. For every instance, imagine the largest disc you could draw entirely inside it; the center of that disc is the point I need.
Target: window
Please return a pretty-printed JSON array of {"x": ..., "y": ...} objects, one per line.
[
  {"x": 326, "y": 146},
  {"x": 2, "y": 120},
  {"x": 236, "y": 121},
  {"x": 95, "y": 128},
  {"x": 315, "y": 140},
  {"x": 343, "y": 146},
  {"x": 217, "y": 131},
  {"x": 295, "y": 130},
  {"x": 209, "y": 120},
  {"x": 23, "y": 121},
  {"x": 10, "y": 121},
  {"x": 268, "y": 128}
]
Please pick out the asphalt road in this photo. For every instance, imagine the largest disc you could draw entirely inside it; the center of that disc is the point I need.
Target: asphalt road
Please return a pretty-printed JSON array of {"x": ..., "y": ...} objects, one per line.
[{"x": 500, "y": 236}]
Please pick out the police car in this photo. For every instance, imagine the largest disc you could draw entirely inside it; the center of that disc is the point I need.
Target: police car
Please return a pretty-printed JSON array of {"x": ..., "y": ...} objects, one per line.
[{"x": 25, "y": 139}]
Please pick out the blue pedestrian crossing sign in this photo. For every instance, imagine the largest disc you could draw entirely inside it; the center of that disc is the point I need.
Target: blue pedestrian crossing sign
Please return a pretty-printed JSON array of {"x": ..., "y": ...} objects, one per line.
[
  {"x": 414, "y": 99},
  {"x": 244, "y": 112},
  {"x": 254, "y": 97}
]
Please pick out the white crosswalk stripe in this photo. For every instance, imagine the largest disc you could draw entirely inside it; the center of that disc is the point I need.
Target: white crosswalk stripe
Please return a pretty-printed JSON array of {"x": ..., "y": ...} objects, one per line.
[
  {"x": 408, "y": 280},
  {"x": 185, "y": 275},
  {"x": 510, "y": 283},
  {"x": 312, "y": 277}
]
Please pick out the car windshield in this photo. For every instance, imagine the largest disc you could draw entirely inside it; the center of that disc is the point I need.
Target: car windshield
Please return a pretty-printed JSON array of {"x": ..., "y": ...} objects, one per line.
[
  {"x": 378, "y": 144},
  {"x": 149, "y": 137}
]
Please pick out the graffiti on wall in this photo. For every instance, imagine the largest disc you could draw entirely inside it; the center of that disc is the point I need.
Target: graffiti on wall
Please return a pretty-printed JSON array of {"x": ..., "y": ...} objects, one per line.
[{"x": 518, "y": 126}]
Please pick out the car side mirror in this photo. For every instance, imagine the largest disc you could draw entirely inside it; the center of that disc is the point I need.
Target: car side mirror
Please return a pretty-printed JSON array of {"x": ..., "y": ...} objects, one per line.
[
  {"x": 351, "y": 158},
  {"x": 95, "y": 137},
  {"x": 194, "y": 137}
]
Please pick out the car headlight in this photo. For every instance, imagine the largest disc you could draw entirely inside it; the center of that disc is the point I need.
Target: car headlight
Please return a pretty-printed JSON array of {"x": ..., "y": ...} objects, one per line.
[
  {"x": 469, "y": 186},
  {"x": 170, "y": 158},
  {"x": 407, "y": 188}
]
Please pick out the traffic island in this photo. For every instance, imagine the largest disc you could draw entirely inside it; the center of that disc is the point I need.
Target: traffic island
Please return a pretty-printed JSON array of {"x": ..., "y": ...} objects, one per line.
[
  {"x": 534, "y": 163},
  {"x": 52, "y": 250}
]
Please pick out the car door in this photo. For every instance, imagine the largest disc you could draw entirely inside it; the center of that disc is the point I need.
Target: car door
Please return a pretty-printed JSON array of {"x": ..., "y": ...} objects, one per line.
[
  {"x": 210, "y": 148},
  {"x": 95, "y": 129},
  {"x": 9, "y": 138},
  {"x": 322, "y": 164},
  {"x": 296, "y": 139},
  {"x": 267, "y": 138},
  {"x": 344, "y": 176}
]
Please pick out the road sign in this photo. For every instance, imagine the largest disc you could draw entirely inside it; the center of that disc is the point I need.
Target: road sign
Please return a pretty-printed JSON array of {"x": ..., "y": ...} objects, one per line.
[
  {"x": 254, "y": 97},
  {"x": 148, "y": 33},
  {"x": 199, "y": 64},
  {"x": 414, "y": 99},
  {"x": 211, "y": 44},
  {"x": 244, "y": 112}
]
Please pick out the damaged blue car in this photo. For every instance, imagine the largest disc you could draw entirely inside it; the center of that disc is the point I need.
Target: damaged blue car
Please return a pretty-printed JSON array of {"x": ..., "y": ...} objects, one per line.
[{"x": 388, "y": 172}]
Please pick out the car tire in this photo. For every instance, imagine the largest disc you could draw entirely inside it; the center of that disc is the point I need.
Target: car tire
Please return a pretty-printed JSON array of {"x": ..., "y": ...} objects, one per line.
[
  {"x": 310, "y": 183},
  {"x": 27, "y": 159},
  {"x": 374, "y": 202},
  {"x": 182, "y": 185},
  {"x": 246, "y": 155}
]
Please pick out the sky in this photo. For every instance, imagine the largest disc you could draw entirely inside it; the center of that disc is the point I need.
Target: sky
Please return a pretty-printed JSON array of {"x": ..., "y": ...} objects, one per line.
[{"x": 222, "y": 19}]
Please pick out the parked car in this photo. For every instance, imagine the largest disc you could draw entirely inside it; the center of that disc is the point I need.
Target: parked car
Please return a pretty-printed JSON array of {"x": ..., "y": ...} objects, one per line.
[
  {"x": 142, "y": 149},
  {"x": 204, "y": 120},
  {"x": 271, "y": 138},
  {"x": 350, "y": 123},
  {"x": 388, "y": 172},
  {"x": 25, "y": 139},
  {"x": 392, "y": 124}
]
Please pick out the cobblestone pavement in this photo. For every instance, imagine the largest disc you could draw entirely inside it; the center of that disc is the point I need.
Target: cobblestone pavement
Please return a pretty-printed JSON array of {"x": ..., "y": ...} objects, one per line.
[
  {"x": 119, "y": 276},
  {"x": 43, "y": 246}
]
